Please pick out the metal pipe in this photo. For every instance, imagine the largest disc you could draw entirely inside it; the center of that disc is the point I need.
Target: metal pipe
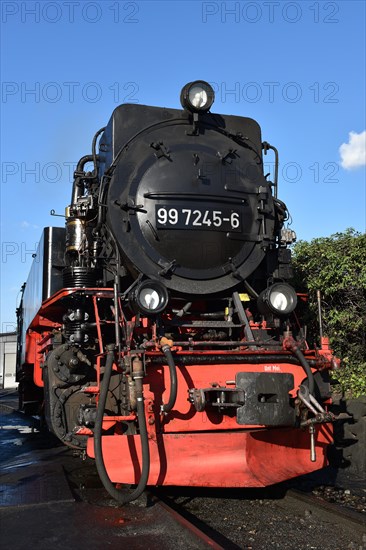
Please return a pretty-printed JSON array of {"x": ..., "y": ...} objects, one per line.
[
  {"x": 251, "y": 290},
  {"x": 227, "y": 359},
  {"x": 312, "y": 443},
  {"x": 77, "y": 186},
  {"x": 267, "y": 146},
  {"x": 116, "y": 313},
  {"x": 94, "y": 149},
  {"x": 184, "y": 310},
  {"x": 318, "y": 296},
  {"x": 224, "y": 343}
]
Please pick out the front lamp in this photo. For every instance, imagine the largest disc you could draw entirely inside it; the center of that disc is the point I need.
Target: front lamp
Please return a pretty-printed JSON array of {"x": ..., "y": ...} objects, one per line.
[
  {"x": 150, "y": 297},
  {"x": 280, "y": 299},
  {"x": 197, "y": 96}
]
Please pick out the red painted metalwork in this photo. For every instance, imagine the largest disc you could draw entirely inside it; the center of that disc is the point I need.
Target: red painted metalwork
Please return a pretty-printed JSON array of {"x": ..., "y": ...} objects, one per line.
[
  {"x": 205, "y": 448},
  {"x": 184, "y": 417},
  {"x": 218, "y": 459},
  {"x": 40, "y": 329},
  {"x": 189, "y": 447},
  {"x": 97, "y": 320}
]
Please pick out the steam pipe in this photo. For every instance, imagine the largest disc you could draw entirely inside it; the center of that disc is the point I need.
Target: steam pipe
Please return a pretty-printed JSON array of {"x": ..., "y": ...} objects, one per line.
[
  {"x": 267, "y": 146},
  {"x": 99, "y": 461},
  {"x": 77, "y": 185},
  {"x": 94, "y": 149}
]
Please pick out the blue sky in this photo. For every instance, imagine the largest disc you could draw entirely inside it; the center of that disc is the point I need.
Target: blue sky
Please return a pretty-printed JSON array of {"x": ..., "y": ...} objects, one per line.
[{"x": 296, "y": 67}]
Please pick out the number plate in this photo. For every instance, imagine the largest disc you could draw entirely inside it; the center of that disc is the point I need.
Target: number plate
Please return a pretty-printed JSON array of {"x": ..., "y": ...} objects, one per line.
[{"x": 212, "y": 219}]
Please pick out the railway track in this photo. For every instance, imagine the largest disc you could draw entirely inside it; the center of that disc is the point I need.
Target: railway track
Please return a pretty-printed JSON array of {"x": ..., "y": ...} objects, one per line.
[
  {"x": 40, "y": 478},
  {"x": 179, "y": 518},
  {"x": 336, "y": 512},
  {"x": 201, "y": 531},
  {"x": 272, "y": 518}
]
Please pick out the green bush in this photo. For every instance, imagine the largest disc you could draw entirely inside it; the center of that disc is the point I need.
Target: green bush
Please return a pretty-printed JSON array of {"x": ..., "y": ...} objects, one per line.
[{"x": 336, "y": 266}]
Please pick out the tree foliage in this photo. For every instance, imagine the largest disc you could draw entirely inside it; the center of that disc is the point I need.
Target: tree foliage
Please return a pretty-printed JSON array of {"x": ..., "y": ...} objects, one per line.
[{"x": 336, "y": 266}]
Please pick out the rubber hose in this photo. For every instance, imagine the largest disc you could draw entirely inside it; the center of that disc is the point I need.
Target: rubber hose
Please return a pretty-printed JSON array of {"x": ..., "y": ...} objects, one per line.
[
  {"x": 108, "y": 485},
  {"x": 305, "y": 365},
  {"x": 173, "y": 380}
]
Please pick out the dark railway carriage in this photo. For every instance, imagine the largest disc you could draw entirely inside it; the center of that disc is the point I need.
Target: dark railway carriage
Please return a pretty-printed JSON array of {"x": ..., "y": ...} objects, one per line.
[{"x": 158, "y": 331}]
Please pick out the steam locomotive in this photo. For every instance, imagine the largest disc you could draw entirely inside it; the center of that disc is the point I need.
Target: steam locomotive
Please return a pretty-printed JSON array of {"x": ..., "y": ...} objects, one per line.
[{"x": 157, "y": 331}]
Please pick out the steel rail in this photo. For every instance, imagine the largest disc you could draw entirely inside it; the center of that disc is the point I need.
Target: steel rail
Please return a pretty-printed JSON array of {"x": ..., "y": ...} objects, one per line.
[
  {"x": 346, "y": 514},
  {"x": 186, "y": 519}
]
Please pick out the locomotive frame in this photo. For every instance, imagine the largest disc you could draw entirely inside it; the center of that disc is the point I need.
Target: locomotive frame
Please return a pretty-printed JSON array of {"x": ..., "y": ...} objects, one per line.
[{"x": 158, "y": 332}]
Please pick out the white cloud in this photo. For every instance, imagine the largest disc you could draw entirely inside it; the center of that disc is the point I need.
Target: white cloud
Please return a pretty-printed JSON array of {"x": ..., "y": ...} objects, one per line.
[
  {"x": 25, "y": 225},
  {"x": 353, "y": 153}
]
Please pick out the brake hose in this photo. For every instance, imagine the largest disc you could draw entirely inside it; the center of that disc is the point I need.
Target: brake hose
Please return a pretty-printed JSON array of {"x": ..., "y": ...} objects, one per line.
[
  {"x": 173, "y": 379},
  {"x": 107, "y": 483},
  {"x": 290, "y": 344}
]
